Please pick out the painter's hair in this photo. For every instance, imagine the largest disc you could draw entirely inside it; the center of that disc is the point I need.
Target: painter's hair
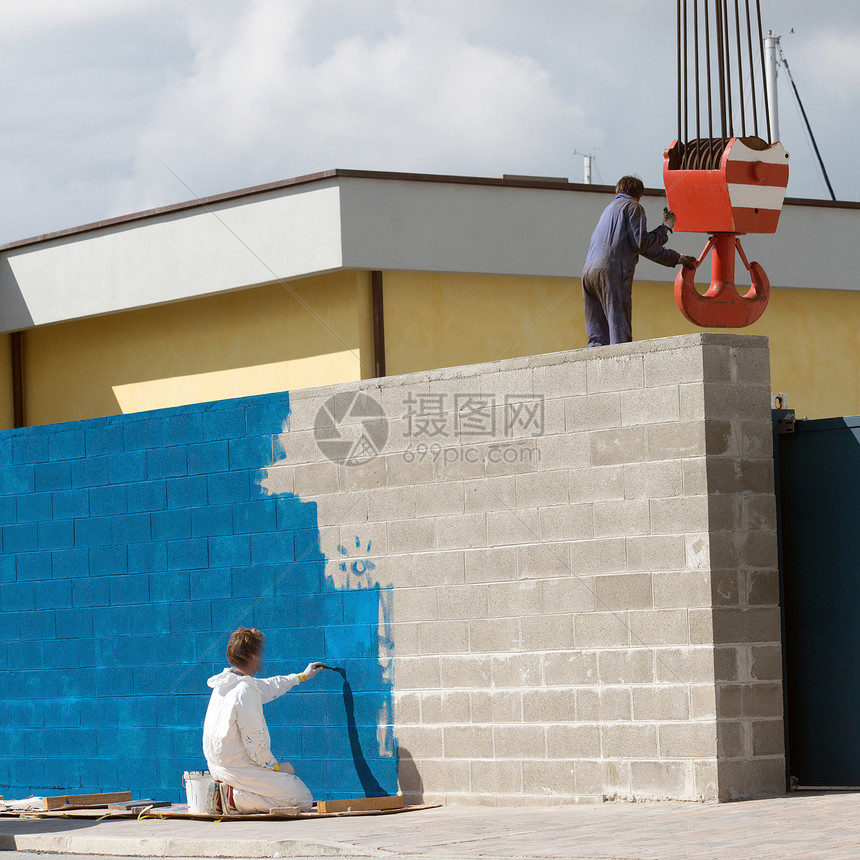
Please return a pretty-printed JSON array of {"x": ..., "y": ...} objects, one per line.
[
  {"x": 243, "y": 645},
  {"x": 631, "y": 185}
]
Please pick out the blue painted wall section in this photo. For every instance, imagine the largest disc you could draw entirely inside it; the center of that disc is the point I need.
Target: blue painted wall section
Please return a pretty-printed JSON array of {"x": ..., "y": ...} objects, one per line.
[{"x": 131, "y": 547}]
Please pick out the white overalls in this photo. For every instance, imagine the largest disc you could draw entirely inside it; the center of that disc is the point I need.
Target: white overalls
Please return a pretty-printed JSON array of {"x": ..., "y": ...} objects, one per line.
[{"x": 237, "y": 746}]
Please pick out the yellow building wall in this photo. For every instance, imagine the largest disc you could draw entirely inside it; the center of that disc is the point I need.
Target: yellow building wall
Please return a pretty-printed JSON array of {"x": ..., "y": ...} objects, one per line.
[
  {"x": 814, "y": 343},
  {"x": 318, "y": 331},
  {"x": 270, "y": 338},
  {"x": 443, "y": 320},
  {"x": 440, "y": 320}
]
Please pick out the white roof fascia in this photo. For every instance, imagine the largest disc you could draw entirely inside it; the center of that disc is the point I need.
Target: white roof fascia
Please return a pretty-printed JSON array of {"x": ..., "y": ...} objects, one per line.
[
  {"x": 357, "y": 220},
  {"x": 214, "y": 248},
  {"x": 435, "y": 226},
  {"x": 427, "y": 226}
]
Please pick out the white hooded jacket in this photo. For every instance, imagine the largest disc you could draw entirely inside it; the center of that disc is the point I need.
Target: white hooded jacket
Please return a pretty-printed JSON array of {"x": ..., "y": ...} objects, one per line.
[{"x": 236, "y": 738}]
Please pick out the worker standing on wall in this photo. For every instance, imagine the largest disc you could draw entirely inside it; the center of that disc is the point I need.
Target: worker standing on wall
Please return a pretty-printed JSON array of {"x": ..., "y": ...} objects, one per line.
[
  {"x": 620, "y": 237},
  {"x": 235, "y": 735}
]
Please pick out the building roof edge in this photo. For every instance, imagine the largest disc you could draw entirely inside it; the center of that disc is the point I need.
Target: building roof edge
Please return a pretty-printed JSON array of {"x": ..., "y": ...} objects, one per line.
[{"x": 549, "y": 184}]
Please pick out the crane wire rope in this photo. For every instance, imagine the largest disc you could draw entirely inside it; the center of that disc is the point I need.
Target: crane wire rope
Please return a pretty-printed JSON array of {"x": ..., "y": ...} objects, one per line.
[{"x": 723, "y": 70}]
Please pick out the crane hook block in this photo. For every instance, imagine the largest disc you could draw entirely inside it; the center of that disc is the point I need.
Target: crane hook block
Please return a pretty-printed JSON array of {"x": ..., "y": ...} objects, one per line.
[
  {"x": 722, "y": 306},
  {"x": 726, "y": 189},
  {"x": 737, "y": 187}
]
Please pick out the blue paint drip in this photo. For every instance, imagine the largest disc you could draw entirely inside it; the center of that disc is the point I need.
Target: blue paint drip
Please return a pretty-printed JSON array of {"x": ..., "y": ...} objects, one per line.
[{"x": 369, "y": 783}]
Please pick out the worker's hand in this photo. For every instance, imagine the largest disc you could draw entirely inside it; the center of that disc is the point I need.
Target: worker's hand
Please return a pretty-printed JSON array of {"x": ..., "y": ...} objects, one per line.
[
  {"x": 669, "y": 218},
  {"x": 312, "y": 670},
  {"x": 286, "y": 767},
  {"x": 687, "y": 261}
]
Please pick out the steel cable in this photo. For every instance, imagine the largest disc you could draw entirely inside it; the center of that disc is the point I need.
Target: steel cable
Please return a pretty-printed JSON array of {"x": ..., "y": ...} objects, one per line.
[
  {"x": 698, "y": 106},
  {"x": 752, "y": 70},
  {"x": 721, "y": 67},
  {"x": 716, "y": 43},
  {"x": 708, "y": 71},
  {"x": 740, "y": 70},
  {"x": 680, "y": 90},
  {"x": 727, "y": 61},
  {"x": 764, "y": 76}
]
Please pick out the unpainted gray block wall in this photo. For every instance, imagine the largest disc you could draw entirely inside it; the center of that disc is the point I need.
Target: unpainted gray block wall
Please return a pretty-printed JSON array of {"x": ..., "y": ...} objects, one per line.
[{"x": 595, "y": 619}]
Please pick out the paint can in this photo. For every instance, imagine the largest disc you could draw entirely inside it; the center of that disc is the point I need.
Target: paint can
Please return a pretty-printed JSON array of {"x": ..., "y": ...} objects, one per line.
[{"x": 201, "y": 792}]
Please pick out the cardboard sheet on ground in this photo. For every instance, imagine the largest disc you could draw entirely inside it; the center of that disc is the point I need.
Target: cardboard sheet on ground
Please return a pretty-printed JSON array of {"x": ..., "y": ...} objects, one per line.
[{"x": 180, "y": 811}]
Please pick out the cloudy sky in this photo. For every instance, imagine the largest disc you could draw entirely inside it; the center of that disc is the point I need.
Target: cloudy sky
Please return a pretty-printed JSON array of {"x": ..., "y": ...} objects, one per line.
[{"x": 113, "y": 106}]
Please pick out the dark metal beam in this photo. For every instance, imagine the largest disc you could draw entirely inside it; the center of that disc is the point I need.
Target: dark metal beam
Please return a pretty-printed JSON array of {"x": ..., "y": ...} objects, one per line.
[
  {"x": 378, "y": 324},
  {"x": 17, "y": 341}
]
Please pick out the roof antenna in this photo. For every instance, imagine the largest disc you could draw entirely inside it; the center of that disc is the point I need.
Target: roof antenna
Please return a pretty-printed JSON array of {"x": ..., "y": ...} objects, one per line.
[{"x": 588, "y": 161}]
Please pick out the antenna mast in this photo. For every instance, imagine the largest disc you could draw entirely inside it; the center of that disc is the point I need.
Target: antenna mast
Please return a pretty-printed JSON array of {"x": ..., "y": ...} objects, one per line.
[
  {"x": 771, "y": 45},
  {"x": 588, "y": 160}
]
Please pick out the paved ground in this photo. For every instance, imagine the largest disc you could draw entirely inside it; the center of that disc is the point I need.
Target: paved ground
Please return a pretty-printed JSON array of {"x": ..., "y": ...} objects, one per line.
[{"x": 822, "y": 826}]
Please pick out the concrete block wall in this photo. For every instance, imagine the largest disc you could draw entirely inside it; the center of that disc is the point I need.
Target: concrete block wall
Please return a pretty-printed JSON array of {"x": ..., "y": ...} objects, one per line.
[
  {"x": 552, "y": 579},
  {"x": 585, "y": 603},
  {"x": 131, "y": 547},
  {"x": 745, "y": 616}
]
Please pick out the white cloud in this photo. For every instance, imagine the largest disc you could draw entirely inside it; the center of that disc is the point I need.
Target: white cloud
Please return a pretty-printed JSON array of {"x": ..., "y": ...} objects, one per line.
[
  {"x": 417, "y": 95},
  {"x": 99, "y": 95},
  {"x": 22, "y": 19},
  {"x": 833, "y": 58}
]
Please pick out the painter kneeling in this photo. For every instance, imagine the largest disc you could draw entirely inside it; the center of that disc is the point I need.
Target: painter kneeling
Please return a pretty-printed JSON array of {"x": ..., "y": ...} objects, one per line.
[{"x": 235, "y": 735}]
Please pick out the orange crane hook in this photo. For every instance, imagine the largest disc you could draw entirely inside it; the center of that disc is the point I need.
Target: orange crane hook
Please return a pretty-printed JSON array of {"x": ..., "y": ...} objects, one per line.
[{"x": 718, "y": 182}]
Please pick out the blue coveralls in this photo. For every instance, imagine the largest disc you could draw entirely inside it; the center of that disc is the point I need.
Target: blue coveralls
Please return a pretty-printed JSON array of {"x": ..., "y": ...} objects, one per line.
[{"x": 620, "y": 237}]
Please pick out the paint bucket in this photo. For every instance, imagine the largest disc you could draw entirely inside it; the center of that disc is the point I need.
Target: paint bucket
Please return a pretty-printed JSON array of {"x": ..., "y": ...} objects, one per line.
[{"x": 201, "y": 792}]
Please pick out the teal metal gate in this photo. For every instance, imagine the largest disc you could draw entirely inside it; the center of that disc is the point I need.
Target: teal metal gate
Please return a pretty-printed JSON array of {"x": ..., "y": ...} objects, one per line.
[{"x": 818, "y": 487}]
